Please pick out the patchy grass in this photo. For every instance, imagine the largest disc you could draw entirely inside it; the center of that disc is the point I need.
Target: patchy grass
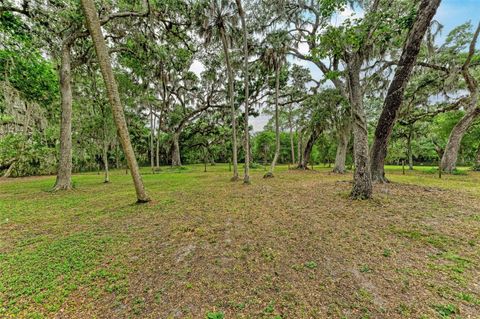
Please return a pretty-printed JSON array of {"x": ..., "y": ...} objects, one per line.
[{"x": 293, "y": 246}]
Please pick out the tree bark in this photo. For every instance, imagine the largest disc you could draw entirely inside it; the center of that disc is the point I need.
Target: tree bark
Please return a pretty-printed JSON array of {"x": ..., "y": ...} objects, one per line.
[
  {"x": 342, "y": 147},
  {"x": 176, "y": 159},
  {"x": 450, "y": 154},
  {"x": 241, "y": 13},
  {"x": 232, "y": 104},
  {"x": 93, "y": 25},
  {"x": 362, "y": 182},
  {"x": 64, "y": 172},
  {"x": 394, "y": 98}
]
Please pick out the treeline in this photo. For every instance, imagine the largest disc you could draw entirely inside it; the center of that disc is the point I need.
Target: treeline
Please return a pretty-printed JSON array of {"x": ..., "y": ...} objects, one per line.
[{"x": 87, "y": 86}]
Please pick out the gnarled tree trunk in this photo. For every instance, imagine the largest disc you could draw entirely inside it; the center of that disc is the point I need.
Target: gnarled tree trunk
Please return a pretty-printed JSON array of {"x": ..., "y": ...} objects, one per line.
[
  {"x": 305, "y": 158},
  {"x": 394, "y": 97},
  {"x": 449, "y": 158},
  {"x": 342, "y": 148},
  {"x": 64, "y": 172},
  {"x": 93, "y": 25},
  {"x": 176, "y": 159},
  {"x": 362, "y": 181}
]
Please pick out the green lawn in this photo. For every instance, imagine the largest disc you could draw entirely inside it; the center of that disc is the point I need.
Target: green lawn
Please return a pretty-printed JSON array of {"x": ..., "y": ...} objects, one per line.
[{"x": 294, "y": 246}]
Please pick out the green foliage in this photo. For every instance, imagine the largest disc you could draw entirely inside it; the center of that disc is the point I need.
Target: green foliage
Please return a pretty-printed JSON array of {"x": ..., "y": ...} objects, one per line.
[
  {"x": 365, "y": 269},
  {"x": 311, "y": 265},
  {"x": 23, "y": 66},
  {"x": 263, "y": 147},
  {"x": 215, "y": 315},
  {"x": 446, "y": 311},
  {"x": 387, "y": 252},
  {"x": 30, "y": 155}
]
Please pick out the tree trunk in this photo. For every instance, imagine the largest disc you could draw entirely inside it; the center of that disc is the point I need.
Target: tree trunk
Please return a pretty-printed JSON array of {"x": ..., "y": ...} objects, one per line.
[
  {"x": 300, "y": 145},
  {"x": 394, "y": 97},
  {"x": 93, "y": 25},
  {"x": 117, "y": 155},
  {"x": 64, "y": 173},
  {"x": 292, "y": 143},
  {"x": 241, "y": 13},
  {"x": 105, "y": 161},
  {"x": 305, "y": 158},
  {"x": 9, "y": 170},
  {"x": 157, "y": 151},
  {"x": 176, "y": 159},
  {"x": 409, "y": 148},
  {"x": 449, "y": 158},
  {"x": 342, "y": 147},
  {"x": 277, "y": 124},
  {"x": 232, "y": 104},
  {"x": 362, "y": 182},
  {"x": 152, "y": 137},
  {"x": 477, "y": 161},
  {"x": 105, "y": 147}
]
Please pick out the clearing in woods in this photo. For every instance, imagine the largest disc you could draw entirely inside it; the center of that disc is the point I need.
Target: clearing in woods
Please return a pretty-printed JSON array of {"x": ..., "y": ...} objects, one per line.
[{"x": 294, "y": 246}]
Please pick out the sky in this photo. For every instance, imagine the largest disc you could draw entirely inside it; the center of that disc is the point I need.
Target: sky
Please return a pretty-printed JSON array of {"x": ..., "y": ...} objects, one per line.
[{"x": 450, "y": 14}]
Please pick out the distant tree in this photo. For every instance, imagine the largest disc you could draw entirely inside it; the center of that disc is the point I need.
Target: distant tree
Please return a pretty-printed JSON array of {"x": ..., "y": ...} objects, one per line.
[
  {"x": 274, "y": 57},
  {"x": 241, "y": 13},
  {"x": 219, "y": 22},
  {"x": 449, "y": 158}
]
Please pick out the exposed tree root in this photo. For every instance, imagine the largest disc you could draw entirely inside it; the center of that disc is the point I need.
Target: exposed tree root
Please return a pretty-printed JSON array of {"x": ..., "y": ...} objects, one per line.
[
  {"x": 268, "y": 175},
  {"x": 62, "y": 187},
  {"x": 380, "y": 179},
  {"x": 337, "y": 170}
]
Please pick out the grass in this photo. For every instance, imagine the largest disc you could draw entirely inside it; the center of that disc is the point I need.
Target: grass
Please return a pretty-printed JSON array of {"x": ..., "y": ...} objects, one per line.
[{"x": 293, "y": 246}]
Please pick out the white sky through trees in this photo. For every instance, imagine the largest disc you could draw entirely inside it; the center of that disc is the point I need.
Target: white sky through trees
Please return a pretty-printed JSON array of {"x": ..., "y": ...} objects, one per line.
[{"x": 450, "y": 14}]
